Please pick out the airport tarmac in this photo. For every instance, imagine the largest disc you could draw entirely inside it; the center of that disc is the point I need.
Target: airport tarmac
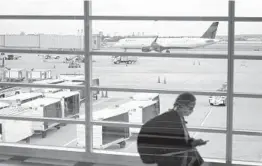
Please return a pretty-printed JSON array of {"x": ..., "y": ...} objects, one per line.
[{"x": 180, "y": 74}]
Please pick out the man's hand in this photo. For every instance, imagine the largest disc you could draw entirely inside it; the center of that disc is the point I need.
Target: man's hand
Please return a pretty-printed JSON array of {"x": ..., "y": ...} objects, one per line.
[{"x": 198, "y": 142}]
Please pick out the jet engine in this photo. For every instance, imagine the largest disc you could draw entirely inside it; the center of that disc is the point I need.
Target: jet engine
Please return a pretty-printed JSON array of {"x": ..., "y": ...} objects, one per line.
[{"x": 146, "y": 49}]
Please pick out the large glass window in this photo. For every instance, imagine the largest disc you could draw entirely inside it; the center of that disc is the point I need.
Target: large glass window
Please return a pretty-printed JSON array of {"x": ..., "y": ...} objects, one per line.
[{"x": 62, "y": 98}]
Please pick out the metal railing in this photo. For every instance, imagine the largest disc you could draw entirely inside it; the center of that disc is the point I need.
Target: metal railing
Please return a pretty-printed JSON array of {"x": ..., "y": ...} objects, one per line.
[{"x": 93, "y": 156}]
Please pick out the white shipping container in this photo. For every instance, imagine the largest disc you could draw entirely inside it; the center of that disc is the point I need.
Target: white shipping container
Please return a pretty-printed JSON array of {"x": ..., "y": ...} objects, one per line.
[
  {"x": 81, "y": 92},
  {"x": 9, "y": 91},
  {"x": 101, "y": 138},
  {"x": 72, "y": 77},
  {"x": 35, "y": 75},
  {"x": 47, "y": 81},
  {"x": 14, "y": 74},
  {"x": 48, "y": 74},
  {"x": 140, "y": 112},
  {"x": 70, "y": 102},
  {"x": 145, "y": 96},
  {"x": 48, "y": 90},
  {"x": 21, "y": 98},
  {"x": 39, "y": 74},
  {"x": 97, "y": 136},
  {"x": 15, "y": 130},
  {"x": 44, "y": 107}
]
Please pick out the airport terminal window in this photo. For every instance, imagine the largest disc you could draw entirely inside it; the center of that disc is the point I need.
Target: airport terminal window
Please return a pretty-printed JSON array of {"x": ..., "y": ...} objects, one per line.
[{"x": 168, "y": 74}]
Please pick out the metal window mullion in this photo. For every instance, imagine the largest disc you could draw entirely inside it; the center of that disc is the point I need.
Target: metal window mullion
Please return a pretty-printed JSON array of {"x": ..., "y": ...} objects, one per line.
[
  {"x": 88, "y": 76},
  {"x": 160, "y": 18},
  {"x": 248, "y": 19},
  {"x": 39, "y": 119},
  {"x": 230, "y": 81},
  {"x": 32, "y": 85},
  {"x": 39, "y": 51},
  {"x": 134, "y": 125},
  {"x": 166, "y": 55},
  {"x": 247, "y": 57},
  {"x": 41, "y": 17},
  {"x": 160, "y": 91}
]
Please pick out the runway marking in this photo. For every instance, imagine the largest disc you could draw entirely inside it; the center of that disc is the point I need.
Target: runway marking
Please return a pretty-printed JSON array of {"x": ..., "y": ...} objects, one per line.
[
  {"x": 210, "y": 111},
  {"x": 203, "y": 122},
  {"x": 70, "y": 142}
]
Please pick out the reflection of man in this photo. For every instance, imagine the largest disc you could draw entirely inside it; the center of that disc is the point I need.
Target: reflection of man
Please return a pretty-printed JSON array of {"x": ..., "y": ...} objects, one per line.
[{"x": 164, "y": 140}]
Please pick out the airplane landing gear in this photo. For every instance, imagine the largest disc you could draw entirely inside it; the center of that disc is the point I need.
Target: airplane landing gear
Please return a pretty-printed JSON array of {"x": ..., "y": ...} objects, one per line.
[{"x": 168, "y": 51}]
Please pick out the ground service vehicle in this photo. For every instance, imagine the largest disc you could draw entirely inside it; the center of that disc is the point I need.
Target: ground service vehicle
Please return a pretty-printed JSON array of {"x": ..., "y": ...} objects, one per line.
[
  {"x": 124, "y": 59},
  {"x": 219, "y": 100}
]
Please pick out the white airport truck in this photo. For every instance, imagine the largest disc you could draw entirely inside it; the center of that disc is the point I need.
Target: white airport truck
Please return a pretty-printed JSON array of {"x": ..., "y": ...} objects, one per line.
[{"x": 124, "y": 59}]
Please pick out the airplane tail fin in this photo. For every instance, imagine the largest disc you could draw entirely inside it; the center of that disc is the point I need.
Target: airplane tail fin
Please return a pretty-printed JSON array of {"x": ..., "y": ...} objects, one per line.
[
  {"x": 155, "y": 39},
  {"x": 211, "y": 31}
]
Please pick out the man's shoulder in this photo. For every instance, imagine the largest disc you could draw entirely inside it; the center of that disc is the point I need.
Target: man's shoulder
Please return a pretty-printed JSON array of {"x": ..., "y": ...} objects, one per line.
[{"x": 167, "y": 117}]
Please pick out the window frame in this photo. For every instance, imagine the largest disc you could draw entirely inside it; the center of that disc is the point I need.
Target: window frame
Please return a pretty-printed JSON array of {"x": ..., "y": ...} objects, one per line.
[{"x": 102, "y": 157}]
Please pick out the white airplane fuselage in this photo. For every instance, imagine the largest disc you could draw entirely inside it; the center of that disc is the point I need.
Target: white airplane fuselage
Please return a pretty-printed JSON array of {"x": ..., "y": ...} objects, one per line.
[{"x": 167, "y": 43}]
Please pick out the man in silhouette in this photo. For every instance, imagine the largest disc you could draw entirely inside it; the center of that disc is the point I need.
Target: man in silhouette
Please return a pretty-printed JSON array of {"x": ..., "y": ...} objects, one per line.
[{"x": 164, "y": 140}]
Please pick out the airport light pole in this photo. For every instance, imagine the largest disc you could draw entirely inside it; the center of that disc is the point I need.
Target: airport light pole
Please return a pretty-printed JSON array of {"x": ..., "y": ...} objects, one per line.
[{"x": 80, "y": 32}]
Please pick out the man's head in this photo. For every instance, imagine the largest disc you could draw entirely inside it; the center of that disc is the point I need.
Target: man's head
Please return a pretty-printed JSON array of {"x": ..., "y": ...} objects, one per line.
[{"x": 185, "y": 103}]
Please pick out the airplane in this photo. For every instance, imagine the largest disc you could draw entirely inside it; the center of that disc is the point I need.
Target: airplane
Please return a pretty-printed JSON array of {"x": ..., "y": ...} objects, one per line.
[{"x": 160, "y": 44}]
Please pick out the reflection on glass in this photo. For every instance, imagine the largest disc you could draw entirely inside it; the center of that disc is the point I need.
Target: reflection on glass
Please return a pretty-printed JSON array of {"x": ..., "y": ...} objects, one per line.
[
  {"x": 215, "y": 148},
  {"x": 247, "y": 114},
  {"x": 247, "y": 148},
  {"x": 247, "y": 77}
]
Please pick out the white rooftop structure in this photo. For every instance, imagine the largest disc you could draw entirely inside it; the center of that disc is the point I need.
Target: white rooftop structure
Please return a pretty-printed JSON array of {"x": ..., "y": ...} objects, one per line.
[
  {"x": 22, "y": 96},
  {"x": 144, "y": 96},
  {"x": 40, "y": 101}
]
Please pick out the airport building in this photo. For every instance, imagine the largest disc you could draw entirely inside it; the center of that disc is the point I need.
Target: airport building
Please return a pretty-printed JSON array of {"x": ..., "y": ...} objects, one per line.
[
  {"x": 45, "y": 41},
  {"x": 92, "y": 112}
]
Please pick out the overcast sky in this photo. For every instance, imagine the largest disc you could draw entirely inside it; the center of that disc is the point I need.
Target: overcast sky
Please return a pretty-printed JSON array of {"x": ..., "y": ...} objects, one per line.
[{"x": 128, "y": 7}]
